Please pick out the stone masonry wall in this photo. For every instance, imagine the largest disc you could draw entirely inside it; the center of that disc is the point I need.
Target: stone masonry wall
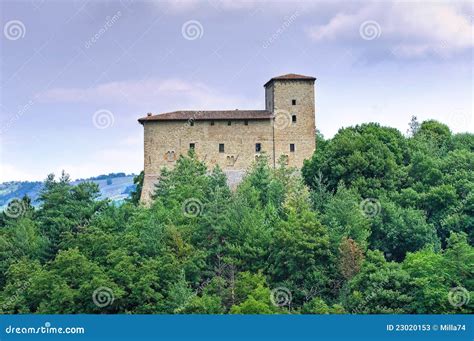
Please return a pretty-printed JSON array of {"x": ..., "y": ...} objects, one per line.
[
  {"x": 165, "y": 141},
  {"x": 300, "y": 133}
]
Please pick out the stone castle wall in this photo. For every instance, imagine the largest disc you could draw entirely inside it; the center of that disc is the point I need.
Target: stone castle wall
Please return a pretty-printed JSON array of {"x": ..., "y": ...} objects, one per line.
[
  {"x": 165, "y": 141},
  {"x": 300, "y": 133}
]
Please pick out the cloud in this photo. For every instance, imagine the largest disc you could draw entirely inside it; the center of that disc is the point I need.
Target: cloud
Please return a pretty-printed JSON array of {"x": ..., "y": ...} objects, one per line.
[
  {"x": 407, "y": 29},
  {"x": 168, "y": 93},
  {"x": 192, "y": 5},
  {"x": 9, "y": 172}
]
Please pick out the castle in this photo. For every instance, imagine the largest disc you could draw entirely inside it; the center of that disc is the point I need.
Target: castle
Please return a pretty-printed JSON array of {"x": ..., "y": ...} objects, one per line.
[{"x": 233, "y": 139}]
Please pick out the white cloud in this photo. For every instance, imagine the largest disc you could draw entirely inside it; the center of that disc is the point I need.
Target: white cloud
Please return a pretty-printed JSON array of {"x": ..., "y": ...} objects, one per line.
[
  {"x": 169, "y": 93},
  {"x": 408, "y": 29},
  {"x": 125, "y": 157},
  {"x": 9, "y": 172}
]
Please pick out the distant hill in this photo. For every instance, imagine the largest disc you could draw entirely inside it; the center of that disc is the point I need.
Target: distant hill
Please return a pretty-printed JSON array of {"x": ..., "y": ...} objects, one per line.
[{"x": 114, "y": 186}]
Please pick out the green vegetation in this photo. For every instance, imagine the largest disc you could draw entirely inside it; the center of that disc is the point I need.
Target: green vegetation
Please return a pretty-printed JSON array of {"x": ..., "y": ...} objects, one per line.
[{"x": 376, "y": 222}]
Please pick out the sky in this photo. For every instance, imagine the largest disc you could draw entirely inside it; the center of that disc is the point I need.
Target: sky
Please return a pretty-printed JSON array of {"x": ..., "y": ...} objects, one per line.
[{"x": 76, "y": 75}]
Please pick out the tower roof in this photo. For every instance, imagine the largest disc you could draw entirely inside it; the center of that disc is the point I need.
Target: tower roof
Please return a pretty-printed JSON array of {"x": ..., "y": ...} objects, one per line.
[{"x": 291, "y": 76}]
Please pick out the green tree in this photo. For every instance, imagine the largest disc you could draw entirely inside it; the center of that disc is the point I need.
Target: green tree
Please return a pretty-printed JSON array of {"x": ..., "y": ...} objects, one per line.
[
  {"x": 137, "y": 192},
  {"x": 397, "y": 230},
  {"x": 299, "y": 250},
  {"x": 380, "y": 287}
]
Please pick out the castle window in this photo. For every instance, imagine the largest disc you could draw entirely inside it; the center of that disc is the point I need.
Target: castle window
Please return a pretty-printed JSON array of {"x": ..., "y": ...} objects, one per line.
[
  {"x": 231, "y": 160},
  {"x": 191, "y": 123},
  {"x": 292, "y": 147},
  {"x": 170, "y": 156},
  {"x": 246, "y": 122},
  {"x": 212, "y": 123},
  {"x": 192, "y": 146},
  {"x": 221, "y": 147},
  {"x": 229, "y": 123},
  {"x": 293, "y": 102},
  {"x": 258, "y": 147},
  {"x": 293, "y": 118}
]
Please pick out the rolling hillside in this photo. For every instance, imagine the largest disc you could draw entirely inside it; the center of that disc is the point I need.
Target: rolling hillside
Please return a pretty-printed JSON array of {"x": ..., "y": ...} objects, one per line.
[{"x": 114, "y": 186}]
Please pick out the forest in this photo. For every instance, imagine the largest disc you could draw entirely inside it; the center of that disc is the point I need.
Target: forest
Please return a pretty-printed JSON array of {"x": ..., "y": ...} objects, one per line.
[{"x": 376, "y": 222}]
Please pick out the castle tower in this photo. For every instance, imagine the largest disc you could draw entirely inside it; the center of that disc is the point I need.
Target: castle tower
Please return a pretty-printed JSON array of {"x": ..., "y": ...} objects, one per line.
[
  {"x": 234, "y": 139},
  {"x": 291, "y": 99}
]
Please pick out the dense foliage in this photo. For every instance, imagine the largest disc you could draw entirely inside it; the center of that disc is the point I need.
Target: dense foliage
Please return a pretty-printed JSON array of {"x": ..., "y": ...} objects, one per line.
[{"x": 376, "y": 222}]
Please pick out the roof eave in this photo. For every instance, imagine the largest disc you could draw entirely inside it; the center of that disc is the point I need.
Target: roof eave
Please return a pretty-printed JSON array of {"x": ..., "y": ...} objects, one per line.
[
  {"x": 146, "y": 119},
  {"x": 310, "y": 79}
]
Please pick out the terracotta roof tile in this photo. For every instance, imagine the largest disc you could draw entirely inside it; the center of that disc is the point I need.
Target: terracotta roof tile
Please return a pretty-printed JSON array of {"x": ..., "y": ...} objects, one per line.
[
  {"x": 209, "y": 115},
  {"x": 291, "y": 76}
]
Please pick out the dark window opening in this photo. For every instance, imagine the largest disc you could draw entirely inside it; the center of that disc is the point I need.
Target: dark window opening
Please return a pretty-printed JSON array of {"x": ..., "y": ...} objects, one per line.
[
  {"x": 293, "y": 118},
  {"x": 229, "y": 123},
  {"x": 221, "y": 147},
  {"x": 212, "y": 123},
  {"x": 246, "y": 122},
  {"x": 292, "y": 147},
  {"x": 293, "y": 101},
  {"x": 192, "y": 146},
  {"x": 191, "y": 123},
  {"x": 258, "y": 147}
]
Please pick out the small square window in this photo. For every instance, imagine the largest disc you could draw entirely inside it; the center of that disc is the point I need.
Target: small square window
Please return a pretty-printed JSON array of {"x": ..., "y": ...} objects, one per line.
[
  {"x": 212, "y": 123},
  {"x": 229, "y": 123},
  {"x": 293, "y": 102},
  {"x": 221, "y": 147},
  {"x": 292, "y": 147},
  {"x": 293, "y": 118},
  {"x": 192, "y": 146},
  {"x": 258, "y": 147},
  {"x": 246, "y": 122}
]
